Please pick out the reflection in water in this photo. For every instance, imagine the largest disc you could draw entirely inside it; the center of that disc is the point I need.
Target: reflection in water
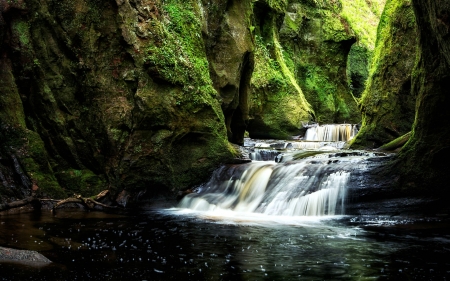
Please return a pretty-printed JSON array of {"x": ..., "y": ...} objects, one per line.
[{"x": 181, "y": 244}]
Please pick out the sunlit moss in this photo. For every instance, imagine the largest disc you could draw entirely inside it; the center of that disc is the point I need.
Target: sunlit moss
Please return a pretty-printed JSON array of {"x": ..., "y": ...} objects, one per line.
[
  {"x": 363, "y": 17},
  {"x": 387, "y": 103}
]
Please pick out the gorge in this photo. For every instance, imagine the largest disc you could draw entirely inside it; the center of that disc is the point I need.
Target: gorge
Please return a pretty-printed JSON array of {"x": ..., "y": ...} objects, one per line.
[{"x": 253, "y": 110}]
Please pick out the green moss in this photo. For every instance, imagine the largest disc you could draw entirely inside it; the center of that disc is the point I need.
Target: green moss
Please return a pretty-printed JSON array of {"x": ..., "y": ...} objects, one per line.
[
  {"x": 396, "y": 144},
  {"x": 180, "y": 57},
  {"x": 36, "y": 165},
  {"x": 277, "y": 102},
  {"x": 333, "y": 28},
  {"x": 83, "y": 182},
  {"x": 363, "y": 17},
  {"x": 277, "y": 5},
  {"x": 267, "y": 70},
  {"x": 22, "y": 30},
  {"x": 317, "y": 39},
  {"x": 387, "y": 103},
  {"x": 358, "y": 69}
]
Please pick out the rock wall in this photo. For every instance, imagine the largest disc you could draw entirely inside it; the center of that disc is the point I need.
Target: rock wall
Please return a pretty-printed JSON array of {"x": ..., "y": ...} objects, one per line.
[
  {"x": 229, "y": 46},
  {"x": 145, "y": 95},
  {"x": 387, "y": 103},
  {"x": 303, "y": 69},
  {"x": 317, "y": 41},
  {"x": 423, "y": 162},
  {"x": 277, "y": 103},
  {"x": 107, "y": 94}
]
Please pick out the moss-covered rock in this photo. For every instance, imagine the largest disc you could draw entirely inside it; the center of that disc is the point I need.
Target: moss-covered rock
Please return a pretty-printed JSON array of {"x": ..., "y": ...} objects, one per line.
[
  {"x": 229, "y": 47},
  {"x": 277, "y": 104},
  {"x": 387, "y": 104},
  {"x": 362, "y": 17},
  {"x": 317, "y": 40},
  {"x": 109, "y": 94},
  {"x": 423, "y": 162}
]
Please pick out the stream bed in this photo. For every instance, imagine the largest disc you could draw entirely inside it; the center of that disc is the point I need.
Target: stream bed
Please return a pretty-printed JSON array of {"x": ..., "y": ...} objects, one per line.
[{"x": 178, "y": 244}]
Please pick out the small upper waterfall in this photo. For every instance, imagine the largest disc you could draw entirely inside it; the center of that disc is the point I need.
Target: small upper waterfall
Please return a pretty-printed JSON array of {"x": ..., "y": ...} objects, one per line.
[{"x": 331, "y": 132}]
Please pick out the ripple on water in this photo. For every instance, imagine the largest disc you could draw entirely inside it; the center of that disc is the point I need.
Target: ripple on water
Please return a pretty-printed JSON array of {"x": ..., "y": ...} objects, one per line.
[{"x": 175, "y": 244}]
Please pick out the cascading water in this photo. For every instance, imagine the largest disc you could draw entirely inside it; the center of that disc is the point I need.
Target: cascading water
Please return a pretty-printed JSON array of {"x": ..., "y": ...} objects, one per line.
[
  {"x": 290, "y": 178},
  {"x": 312, "y": 186},
  {"x": 331, "y": 132}
]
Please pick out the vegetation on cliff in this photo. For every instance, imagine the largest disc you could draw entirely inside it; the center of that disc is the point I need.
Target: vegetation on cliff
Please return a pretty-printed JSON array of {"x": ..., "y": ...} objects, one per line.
[
  {"x": 145, "y": 95},
  {"x": 278, "y": 105},
  {"x": 387, "y": 103},
  {"x": 107, "y": 95},
  {"x": 423, "y": 162}
]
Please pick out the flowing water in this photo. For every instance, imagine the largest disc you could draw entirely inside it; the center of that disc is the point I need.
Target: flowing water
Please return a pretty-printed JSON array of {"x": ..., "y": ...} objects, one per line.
[
  {"x": 304, "y": 183},
  {"x": 331, "y": 132},
  {"x": 283, "y": 218}
]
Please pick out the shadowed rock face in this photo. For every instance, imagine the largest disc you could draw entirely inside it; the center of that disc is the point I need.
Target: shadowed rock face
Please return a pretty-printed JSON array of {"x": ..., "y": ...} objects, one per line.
[
  {"x": 424, "y": 159},
  {"x": 229, "y": 47}
]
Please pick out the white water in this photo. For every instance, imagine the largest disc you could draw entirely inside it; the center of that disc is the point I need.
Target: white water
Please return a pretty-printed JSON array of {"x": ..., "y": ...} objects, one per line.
[
  {"x": 315, "y": 186},
  {"x": 331, "y": 132}
]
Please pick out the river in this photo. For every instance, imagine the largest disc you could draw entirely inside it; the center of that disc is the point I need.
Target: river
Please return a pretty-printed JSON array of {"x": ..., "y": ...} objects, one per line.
[
  {"x": 176, "y": 244},
  {"x": 267, "y": 220}
]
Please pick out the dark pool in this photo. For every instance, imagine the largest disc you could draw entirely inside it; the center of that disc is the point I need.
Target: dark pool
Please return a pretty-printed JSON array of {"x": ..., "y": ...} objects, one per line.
[{"x": 151, "y": 244}]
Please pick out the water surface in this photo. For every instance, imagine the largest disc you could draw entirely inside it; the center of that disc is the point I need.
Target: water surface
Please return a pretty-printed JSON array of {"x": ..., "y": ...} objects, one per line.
[{"x": 177, "y": 244}]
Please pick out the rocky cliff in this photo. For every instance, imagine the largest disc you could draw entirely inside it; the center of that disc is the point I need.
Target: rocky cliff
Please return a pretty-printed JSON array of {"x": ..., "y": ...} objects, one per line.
[
  {"x": 107, "y": 94},
  {"x": 423, "y": 161},
  {"x": 145, "y": 95},
  {"x": 387, "y": 103}
]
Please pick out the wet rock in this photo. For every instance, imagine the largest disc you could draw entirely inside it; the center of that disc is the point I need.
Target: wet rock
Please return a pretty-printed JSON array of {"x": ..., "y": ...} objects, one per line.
[
  {"x": 239, "y": 161},
  {"x": 183, "y": 193},
  {"x": 123, "y": 198},
  {"x": 23, "y": 256}
]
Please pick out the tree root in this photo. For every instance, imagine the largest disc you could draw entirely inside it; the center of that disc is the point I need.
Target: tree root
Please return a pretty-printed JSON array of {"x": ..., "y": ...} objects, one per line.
[
  {"x": 87, "y": 202},
  {"x": 18, "y": 203}
]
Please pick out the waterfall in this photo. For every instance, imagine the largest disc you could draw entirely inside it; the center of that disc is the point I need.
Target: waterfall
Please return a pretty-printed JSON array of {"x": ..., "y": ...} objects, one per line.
[
  {"x": 263, "y": 155},
  {"x": 288, "y": 178},
  {"x": 314, "y": 186},
  {"x": 331, "y": 132}
]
